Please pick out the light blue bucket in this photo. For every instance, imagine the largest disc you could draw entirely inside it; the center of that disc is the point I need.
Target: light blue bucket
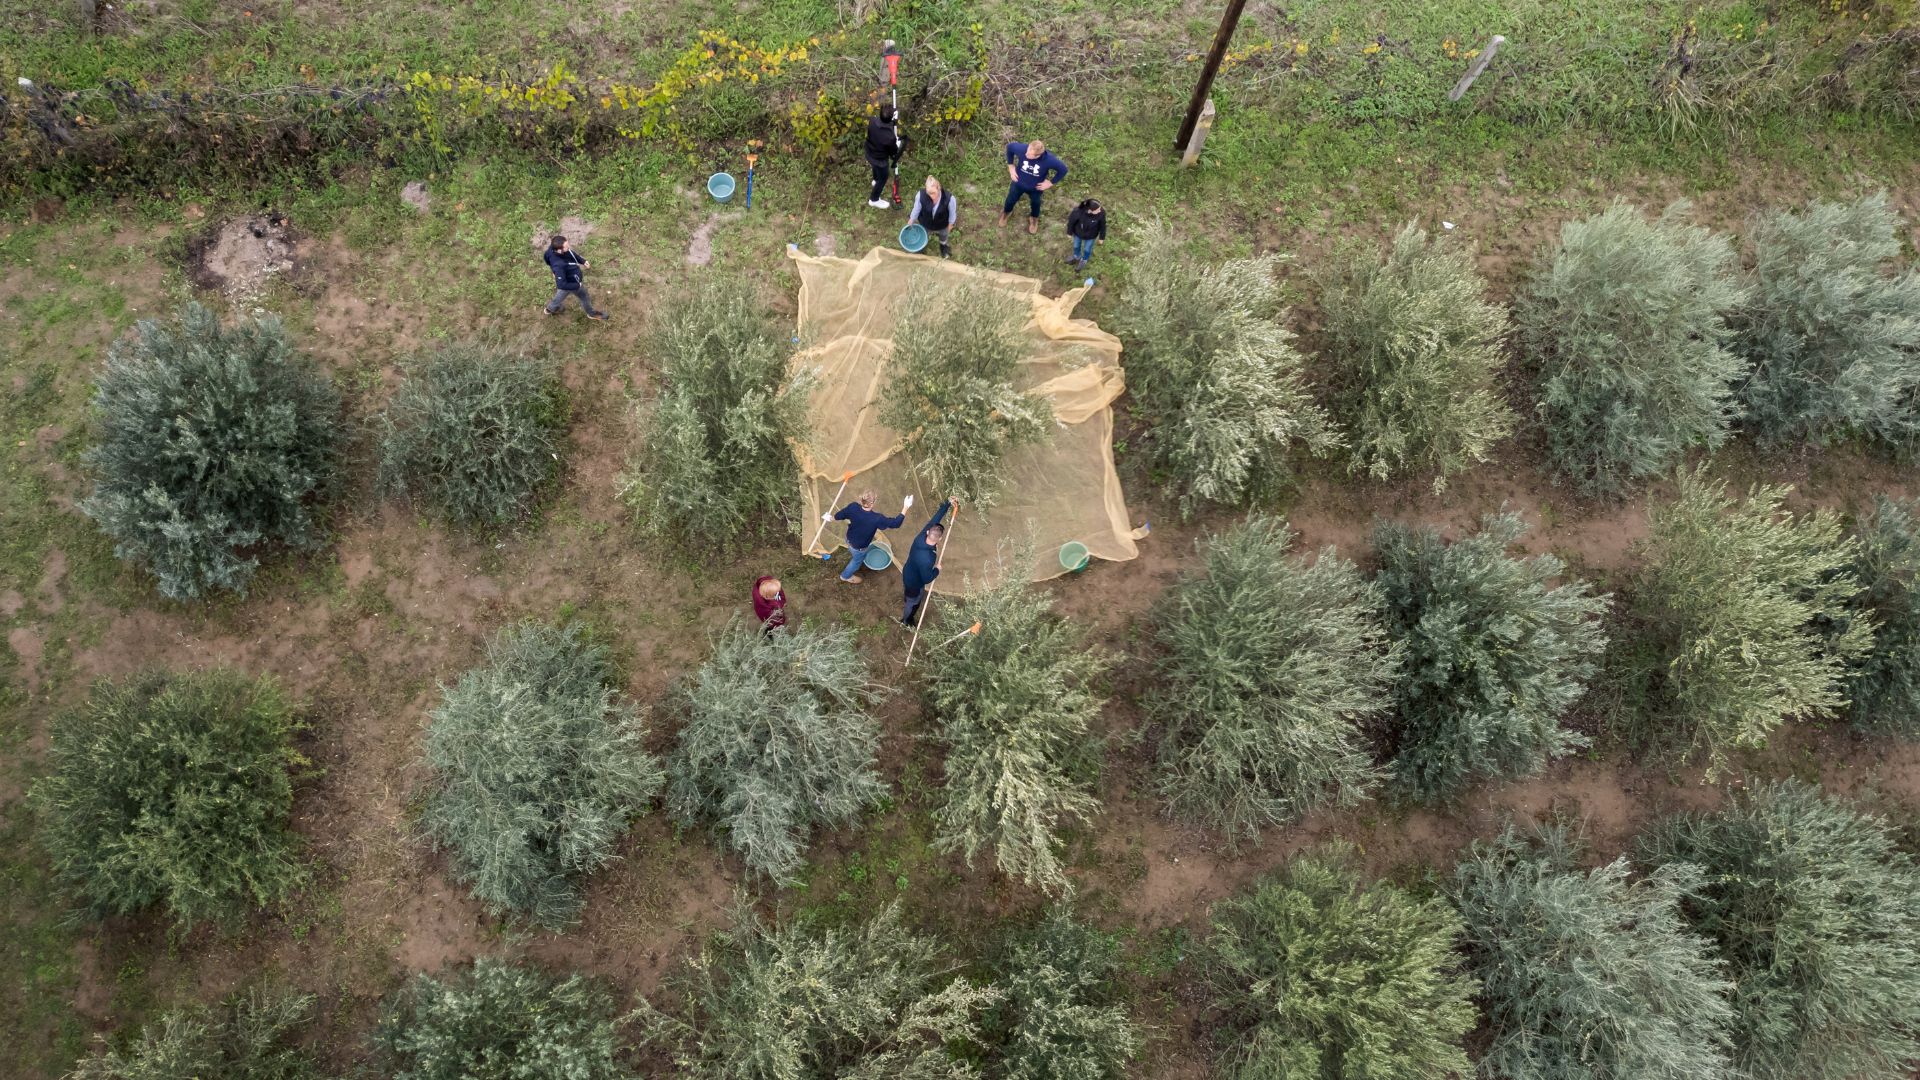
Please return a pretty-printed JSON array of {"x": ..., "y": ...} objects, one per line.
[
  {"x": 720, "y": 185},
  {"x": 914, "y": 238},
  {"x": 1074, "y": 556},
  {"x": 878, "y": 556}
]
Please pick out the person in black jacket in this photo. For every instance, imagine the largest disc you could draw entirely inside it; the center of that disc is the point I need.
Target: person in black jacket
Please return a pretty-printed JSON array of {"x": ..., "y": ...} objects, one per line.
[
  {"x": 1087, "y": 225},
  {"x": 937, "y": 211},
  {"x": 566, "y": 265},
  {"x": 884, "y": 147}
]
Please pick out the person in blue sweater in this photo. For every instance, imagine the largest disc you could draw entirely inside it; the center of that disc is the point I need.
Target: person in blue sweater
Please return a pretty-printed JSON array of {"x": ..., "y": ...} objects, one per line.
[
  {"x": 923, "y": 562},
  {"x": 566, "y": 265},
  {"x": 862, "y": 522},
  {"x": 1031, "y": 169}
]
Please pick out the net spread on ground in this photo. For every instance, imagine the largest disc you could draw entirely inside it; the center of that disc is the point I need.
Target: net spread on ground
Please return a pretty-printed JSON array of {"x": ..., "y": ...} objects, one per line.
[{"x": 1057, "y": 492}]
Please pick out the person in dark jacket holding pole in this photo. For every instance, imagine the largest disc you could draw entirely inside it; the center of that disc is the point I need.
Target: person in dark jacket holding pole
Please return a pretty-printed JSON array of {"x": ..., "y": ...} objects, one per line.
[
  {"x": 923, "y": 562},
  {"x": 938, "y": 211},
  {"x": 884, "y": 147},
  {"x": 566, "y": 265},
  {"x": 862, "y": 523},
  {"x": 1087, "y": 225},
  {"x": 1031, "y": 169}
]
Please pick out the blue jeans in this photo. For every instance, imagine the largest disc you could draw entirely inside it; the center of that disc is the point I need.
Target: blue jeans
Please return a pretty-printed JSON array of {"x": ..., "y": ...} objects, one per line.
[
  {"x": 560, "y": 297},
  {"x": 859, "y": 558},
  {"x": 1082, "y": 249},
  {"x": 1014, "y": 191}
]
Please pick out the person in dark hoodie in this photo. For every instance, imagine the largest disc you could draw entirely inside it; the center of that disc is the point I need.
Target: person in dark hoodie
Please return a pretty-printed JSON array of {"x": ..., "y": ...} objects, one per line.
[
  {"x": 923, "y": 562},
  {"x": 1087, "y": 225},
  {"x": 1031, "y": 169},
  {"x": 566, "y": 265},
  {"x": 884, "y": 147},
  {"x": 862, "y": 523},
  {"x": 769, "y": 604}
]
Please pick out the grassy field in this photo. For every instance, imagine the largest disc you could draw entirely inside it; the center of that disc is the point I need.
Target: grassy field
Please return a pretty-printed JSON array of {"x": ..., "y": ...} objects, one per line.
[{"x": 1305, "y": 159}]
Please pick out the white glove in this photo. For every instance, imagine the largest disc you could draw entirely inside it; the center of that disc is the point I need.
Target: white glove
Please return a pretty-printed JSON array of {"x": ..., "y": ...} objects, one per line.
[
  {"x": 828, "y": 518},
  {"x": 906, "y": 504}
]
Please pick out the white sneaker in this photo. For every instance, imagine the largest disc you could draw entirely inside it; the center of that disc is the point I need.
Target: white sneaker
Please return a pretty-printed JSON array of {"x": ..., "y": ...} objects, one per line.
[{"x": 880, "y": 204}]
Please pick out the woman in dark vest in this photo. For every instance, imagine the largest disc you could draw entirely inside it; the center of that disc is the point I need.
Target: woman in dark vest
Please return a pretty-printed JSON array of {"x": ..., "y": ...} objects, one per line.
[{"x": 938, "y": 211}]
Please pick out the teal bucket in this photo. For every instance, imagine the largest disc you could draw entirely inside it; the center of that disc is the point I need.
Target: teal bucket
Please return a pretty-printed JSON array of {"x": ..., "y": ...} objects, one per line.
[
  {"x": 1074, "y": 556},
  {"x": 720, "y": 185},
  {"x": 913, "y": 238},
  {"x": 878, "y": 557}
]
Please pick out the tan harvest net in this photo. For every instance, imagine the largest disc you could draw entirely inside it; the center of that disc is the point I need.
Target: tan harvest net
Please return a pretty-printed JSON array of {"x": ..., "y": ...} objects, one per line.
[{"x": 1059, "y": 491}]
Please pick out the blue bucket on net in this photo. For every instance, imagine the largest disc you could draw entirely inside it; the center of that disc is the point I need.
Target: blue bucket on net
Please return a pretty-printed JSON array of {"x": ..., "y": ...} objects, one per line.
[
  {"x": 879, "y": 557},
  {"x": 720, "y": 185},
  {"x": 913, "y": 238},
  {"x": 1074, "y": 556}
]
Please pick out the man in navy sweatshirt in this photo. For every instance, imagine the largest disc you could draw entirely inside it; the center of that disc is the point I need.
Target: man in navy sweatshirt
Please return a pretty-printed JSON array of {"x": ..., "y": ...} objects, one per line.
[
  {"x": 566, "y": 265},
  {"x": 923, "y": 562},
  {"x": 862, "y": 522},
  {"x": 1031, "y": 169}
]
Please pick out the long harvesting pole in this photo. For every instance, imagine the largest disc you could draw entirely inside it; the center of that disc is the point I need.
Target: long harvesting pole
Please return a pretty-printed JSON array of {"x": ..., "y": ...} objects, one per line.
[{"x": 828, "y": 516}]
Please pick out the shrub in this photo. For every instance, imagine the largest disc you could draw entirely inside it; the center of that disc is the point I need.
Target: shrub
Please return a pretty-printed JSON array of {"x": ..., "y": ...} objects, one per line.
[
  {"x": 1588, "y": 975},
  {"x": 800, "y": 1001},
  {"x": 951, "y": 390},
  {"x": 1626, "y": 324},
  {"x": 500, "y": 1021},
  {"x": 537, "y": 770},
  {"x": 211, "y": 443},
  {"x": 1420, "y": 347},
  {"x": 1833, "y": 340},
  {"x": 1816, "y": 912},
  {"x": 1743, "y": 616},
  {"x": 1493, "y": 656},
  {"x": 1268, "y": 666},
  {"x": 1321, "y": 976},
  {"x": 715, "y": 458},
  {"x": 1061, "y": 1017},
  {"x": 247, "y": 1038},
  {"x": 1212, "y": 365},
  {"x": 474, "y": 433},
  {"x": 777, "y": 740},
  {"x": 1013, "y": 706},
  {"x": 174, "y": 790},
  {"x": 1884, "y": 683}
]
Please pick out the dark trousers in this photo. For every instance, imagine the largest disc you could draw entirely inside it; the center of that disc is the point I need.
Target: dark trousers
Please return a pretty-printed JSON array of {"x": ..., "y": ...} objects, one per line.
[
  {"x": 911, "y": 605},
  {"x": 578, "y": 292},
  {"x": 1014, "y": 191},
  {"x": 880, "y": 174}
]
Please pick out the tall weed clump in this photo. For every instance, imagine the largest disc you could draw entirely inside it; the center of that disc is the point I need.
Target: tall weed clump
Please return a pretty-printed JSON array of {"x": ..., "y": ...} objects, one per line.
[
  {"x": 715, "y": 454},
  {"x": 1626, "y": 327},
  {"x": 1212, "y": 366},
  {"x": 1833, "y": 338},
  {"x": 1590, "y": 973},
  {"x": 211, "y": 443},
  {"x": 537, "y": 769},
  {"x": 1061, "y": 1017},
  {"x": 1419, "y": 348},
  {"x": 1883, "y": 683},
  {"x": 174, "y": 791},
  {"x": 1817, "y": 910},
  {"x": 1493, "y": 654},
  {"x": 1013, "y": 703},
  {"x": 952, "y": 387},
  {"x": 1268, "y": 667},
  {"x": 1319, "y": 975},
  {"x": 1743, "y": 620},
  {"x": 873, "y": 1001},
  {"x": 473, "y": 433},
  {"x": 500, "y": 1021},
  {"x": 246, "y": 1037},
  {"x": 778, "y": 739}
]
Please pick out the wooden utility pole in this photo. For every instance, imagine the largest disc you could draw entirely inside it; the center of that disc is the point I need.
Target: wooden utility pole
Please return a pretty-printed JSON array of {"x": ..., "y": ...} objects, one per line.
[{"x": 1228, "y": 23}]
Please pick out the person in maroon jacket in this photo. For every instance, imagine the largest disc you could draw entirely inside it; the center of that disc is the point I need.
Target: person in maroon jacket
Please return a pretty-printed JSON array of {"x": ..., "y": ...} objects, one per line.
[{"x": 769, "y": 604}]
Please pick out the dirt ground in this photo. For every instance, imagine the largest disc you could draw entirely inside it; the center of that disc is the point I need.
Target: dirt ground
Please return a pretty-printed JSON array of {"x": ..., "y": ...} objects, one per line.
[{"x": 368, "y": 630}]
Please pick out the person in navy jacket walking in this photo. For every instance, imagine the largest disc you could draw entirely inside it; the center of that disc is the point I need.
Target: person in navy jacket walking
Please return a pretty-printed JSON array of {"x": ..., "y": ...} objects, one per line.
[
  {"x": 923, "y": 562},
  {"x": 862, "y": 523},
  {"x": 566, "y": 265},
  {"x": 1031, "y": 169}
]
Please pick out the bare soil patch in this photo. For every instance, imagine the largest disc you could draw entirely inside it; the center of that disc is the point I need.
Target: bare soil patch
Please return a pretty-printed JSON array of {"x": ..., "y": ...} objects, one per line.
[{"x": 244, "y": 253}]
